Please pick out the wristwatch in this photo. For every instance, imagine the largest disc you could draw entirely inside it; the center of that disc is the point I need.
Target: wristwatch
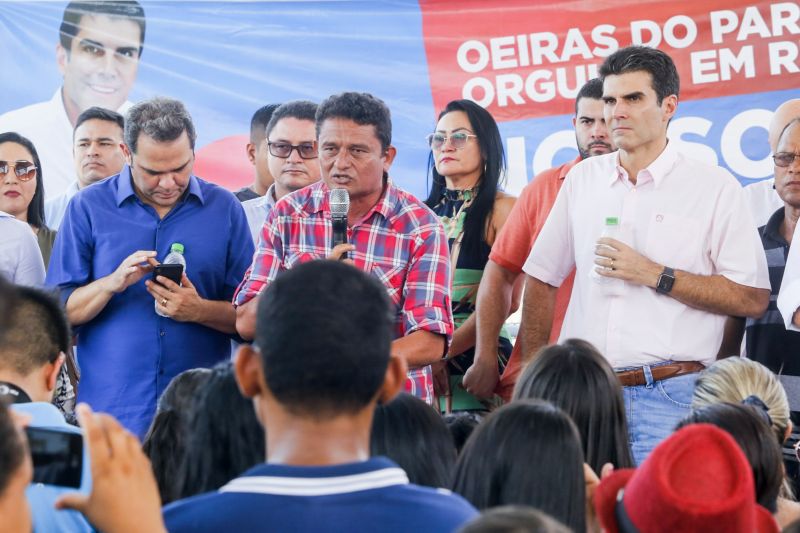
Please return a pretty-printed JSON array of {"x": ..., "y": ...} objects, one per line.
[{"x": 665, "y": 281}]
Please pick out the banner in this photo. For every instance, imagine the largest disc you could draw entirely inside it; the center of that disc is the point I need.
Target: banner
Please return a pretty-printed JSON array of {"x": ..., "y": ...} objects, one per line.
[{"x": 524, "y": 61}]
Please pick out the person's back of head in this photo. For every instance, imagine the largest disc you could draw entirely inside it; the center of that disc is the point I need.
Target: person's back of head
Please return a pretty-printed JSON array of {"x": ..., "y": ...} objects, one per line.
[
  {"x": 734, "y": 379},
  {"x": 165, "y": 441},
  {"x": 413, "y": 435},
  {"x": 324, "y": 352},
  {"x": 461, "y": 425},
  {"x": 36, "y": 336},
  {"x": 575, "y": 377},
  {"x": 223, "y": 435},
  {"x": 514, "y": 519},
  {"x": 526, "y": 453},
  {"x": 752, "y": 433}
]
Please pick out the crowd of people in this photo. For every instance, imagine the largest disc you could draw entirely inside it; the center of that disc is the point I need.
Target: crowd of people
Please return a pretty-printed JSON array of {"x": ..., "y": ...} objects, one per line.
[{"x": 285, "y": 380}]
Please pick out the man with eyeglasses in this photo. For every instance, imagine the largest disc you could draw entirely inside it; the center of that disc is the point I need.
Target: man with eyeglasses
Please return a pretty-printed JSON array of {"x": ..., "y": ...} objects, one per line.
[
  {"x": 762, "y": 196},
  {"x": 392, "y": 235},
  {"x": 98, "y": 56},
  {"x": 291, "y": 145},
  {"x": 513, "y": 244}
]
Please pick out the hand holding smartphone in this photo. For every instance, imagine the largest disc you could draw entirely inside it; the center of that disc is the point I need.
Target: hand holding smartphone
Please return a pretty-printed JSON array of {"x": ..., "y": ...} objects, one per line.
[
  {"x": 57, "y": 456},
  {"x": 173, "y": 272}
]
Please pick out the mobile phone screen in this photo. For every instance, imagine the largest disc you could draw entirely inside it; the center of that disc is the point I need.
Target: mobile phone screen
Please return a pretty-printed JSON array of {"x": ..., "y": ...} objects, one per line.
[
  {"x": 172, "y": 272},
  {"x": 57, "y": 456}
]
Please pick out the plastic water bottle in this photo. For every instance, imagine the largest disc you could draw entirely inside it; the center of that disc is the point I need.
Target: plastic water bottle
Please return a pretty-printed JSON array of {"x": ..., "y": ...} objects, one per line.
[
  {"x": 609, "y": 286},
  {"x": 174, "y": 257}
]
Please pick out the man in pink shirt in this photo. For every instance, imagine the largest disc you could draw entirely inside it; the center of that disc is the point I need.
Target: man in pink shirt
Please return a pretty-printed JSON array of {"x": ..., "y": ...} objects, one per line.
[
  {"x": 686, "y": 253},
  {"x": 502, "y": 274}
]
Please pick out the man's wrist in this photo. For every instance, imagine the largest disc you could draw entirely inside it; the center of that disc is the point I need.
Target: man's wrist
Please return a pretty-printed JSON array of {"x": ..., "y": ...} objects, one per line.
[{"x": 796, "y": 318}]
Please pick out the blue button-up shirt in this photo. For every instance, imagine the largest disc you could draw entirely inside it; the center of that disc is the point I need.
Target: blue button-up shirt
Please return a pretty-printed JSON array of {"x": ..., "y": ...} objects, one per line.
[{"x": 128, "y": 354}]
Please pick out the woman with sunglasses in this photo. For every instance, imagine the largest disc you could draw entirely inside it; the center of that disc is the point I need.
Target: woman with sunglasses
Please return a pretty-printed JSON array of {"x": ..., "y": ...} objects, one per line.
[
  {"x": 466, "y": 163},
  {"x": 22, "y": 188}
]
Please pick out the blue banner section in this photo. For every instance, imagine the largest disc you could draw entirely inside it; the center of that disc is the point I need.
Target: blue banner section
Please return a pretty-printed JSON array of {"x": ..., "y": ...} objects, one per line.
[{"x": 226, "y": 59}]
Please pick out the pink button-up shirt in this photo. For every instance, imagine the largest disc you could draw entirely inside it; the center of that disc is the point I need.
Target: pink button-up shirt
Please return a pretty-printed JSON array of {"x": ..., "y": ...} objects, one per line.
[{"x": 680, "y": 213}]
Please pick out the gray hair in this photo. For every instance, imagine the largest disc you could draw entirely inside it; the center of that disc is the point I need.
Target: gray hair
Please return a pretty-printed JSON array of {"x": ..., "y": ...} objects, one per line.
[{"x": 161, "y": 119}]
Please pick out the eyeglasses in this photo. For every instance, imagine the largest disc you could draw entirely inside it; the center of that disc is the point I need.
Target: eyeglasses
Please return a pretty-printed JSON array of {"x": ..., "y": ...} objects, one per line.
[
  {"x": 457, "y": 140},
  {"x": 24, "y": 170},
  {"x": 284, "y": 150},
  {"x": 784, "y": 159}
]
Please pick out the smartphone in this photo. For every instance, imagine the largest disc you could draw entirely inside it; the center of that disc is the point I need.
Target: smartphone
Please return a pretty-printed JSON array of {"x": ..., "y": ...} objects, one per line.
[
  {"x": 172, "y": 272},
  {"x": 57, "y": 456}
]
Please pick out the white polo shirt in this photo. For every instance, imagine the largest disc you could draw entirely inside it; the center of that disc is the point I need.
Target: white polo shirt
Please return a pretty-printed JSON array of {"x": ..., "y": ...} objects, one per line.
[
  {"x": 681, "y": 213},
  {"x": 47, "y": 126},
  {"x": 789, "y": 295},
  {"x": 763, "y": 200}
]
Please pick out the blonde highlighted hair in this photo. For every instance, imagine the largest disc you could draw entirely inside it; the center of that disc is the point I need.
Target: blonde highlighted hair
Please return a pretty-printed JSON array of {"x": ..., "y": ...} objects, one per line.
[{"x": 734, "y": 379}]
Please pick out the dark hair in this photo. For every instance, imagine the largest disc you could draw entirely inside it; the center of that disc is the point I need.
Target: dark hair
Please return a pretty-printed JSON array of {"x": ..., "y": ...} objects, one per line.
[
  {"x": 37, "y": 331},
  {"x": 12, "y": 448},
  {"x": 363, "y": 109},
  {"x": 36, "y": 207},
  {"x": 161, "y": 119},
  {"x": 165, "y": 441},
  {"x": 74, "y": 12},
  {"x": 527, "y": 452},
  {"x": 258, "y": 124},
  {"x": 494, "y": 163},
  {"x": 461, "y": 425},
  {"x": 664, "y": 75},
  {"x": 591, "y": 89},
  {"x": 756, "y": 440},
  {"x": 341, "y": 367},
  {"x": 100, "y": 113},
  {"x": 223, "y": 438},
  {"x": 574, "y": 376},
  {"x": 299, "y": 109},
  {"x": 514, "y": 519},
  {"x": 412, "y": 434}
]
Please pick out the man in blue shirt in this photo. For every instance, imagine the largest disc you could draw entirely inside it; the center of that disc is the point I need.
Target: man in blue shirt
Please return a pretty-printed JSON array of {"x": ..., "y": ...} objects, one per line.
[
  {"x": 114, "y": 233},
  {"x": 320, "y": 363},
  {"x": 35, "y": 337}
]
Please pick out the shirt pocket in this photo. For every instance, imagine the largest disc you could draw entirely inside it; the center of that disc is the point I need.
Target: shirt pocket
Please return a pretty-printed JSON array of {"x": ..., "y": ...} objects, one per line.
[
  {"x": 675, "y": 241},
  {"x": 392, "y": 277},
  {"x": 294, "y": 258}
]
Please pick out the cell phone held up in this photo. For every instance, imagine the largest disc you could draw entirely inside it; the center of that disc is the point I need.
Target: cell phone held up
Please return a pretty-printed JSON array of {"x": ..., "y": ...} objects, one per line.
[
  {"x": 57, "y": 456},
  {"x": 173, "y": 272}
]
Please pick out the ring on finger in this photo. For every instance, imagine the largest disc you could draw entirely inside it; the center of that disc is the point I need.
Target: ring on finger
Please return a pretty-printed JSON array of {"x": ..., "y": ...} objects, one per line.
[{"x": 163, "y": 302}]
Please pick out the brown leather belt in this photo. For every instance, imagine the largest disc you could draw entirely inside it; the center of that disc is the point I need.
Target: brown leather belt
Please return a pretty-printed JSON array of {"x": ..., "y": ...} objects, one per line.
[{"x": 635, "y": 377}]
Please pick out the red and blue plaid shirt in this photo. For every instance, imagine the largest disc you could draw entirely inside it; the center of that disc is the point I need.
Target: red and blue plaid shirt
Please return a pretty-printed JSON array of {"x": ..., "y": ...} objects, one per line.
[{"x": 400, "y": 241}]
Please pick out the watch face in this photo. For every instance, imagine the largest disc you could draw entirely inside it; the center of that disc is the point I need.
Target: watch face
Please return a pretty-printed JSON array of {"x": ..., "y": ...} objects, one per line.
[{"x": 665, "y": 282}]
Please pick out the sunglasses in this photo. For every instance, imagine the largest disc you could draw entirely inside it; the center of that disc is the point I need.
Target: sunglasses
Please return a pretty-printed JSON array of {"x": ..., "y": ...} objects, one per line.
[
  {"x": 784, "y": 159},
  {"x": 284, "y": 150},
  {"x": 24, "y": 170},
  {"x": 457, "y": 140}
]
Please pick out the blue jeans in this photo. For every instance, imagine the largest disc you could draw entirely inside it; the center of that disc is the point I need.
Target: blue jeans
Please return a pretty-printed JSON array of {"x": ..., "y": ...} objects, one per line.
[{"x": 654, "y": 409}]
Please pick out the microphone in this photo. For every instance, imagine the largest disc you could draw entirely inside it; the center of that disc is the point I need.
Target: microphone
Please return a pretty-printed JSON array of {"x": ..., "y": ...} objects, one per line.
[{"x": 339, "y": 200}]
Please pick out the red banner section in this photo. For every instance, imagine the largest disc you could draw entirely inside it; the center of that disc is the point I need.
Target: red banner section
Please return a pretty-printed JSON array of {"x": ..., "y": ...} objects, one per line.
[{"x": 523, "y": 59}]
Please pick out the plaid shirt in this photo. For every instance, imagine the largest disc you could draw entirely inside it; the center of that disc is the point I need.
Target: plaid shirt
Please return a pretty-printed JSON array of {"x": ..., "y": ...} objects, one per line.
[{"x": 400, "y": 241}]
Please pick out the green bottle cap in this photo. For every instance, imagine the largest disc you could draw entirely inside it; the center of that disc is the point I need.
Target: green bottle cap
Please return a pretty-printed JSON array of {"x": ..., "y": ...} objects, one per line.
[
  {"x": 610, "y": 221},
  {"x": 176, "y": 247}
]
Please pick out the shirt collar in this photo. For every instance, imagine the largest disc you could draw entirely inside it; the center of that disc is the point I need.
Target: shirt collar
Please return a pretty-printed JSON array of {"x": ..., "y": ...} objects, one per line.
[
  {"x": 568, "y": 166},
  {"x": 375, "y": 473},
  {"x": 657, "y": 170},
  {"x": 125, "y": 186},
  {"x": 773, "y": 227}
]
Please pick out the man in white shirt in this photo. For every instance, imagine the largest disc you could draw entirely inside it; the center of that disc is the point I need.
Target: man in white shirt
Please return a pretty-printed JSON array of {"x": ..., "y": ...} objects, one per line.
[
  {"x": 687, "y": 253},
  {"x": 788, "y": 153},
  {"x": 97, "y": 148},
  {"x": 761, "y": 196},
  {"x": 98, "y": 56}
]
